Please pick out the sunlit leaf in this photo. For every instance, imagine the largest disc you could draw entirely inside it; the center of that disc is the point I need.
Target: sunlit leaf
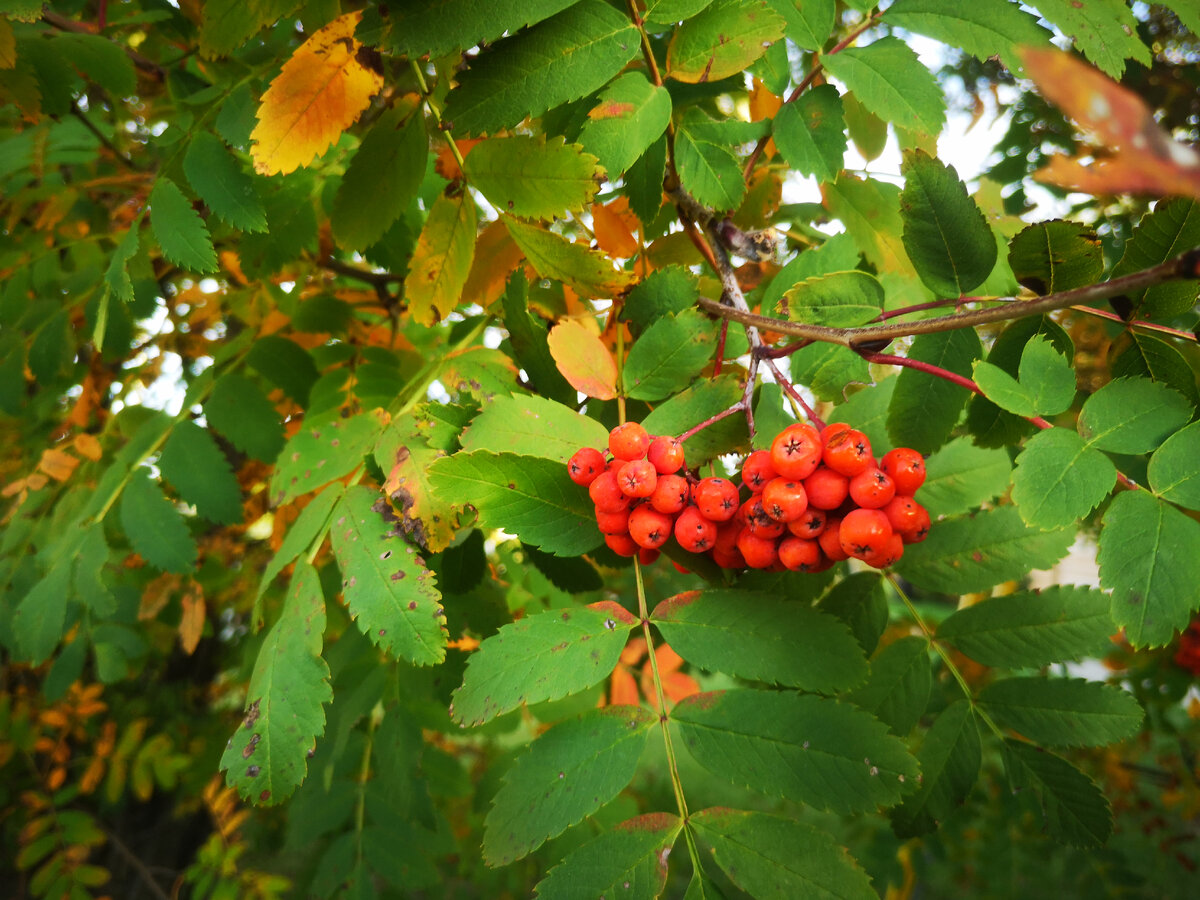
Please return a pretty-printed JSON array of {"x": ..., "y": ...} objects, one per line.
[
  {"x": 583, "y": 359},
  {"x": 442, "y": 260}
]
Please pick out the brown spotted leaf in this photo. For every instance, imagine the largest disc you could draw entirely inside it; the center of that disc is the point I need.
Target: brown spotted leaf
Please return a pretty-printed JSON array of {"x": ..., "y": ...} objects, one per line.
[
  {"x": 325, "y": 448},
  {"x": 406, "y": 457},
  {"x": 390, "y": 593}
]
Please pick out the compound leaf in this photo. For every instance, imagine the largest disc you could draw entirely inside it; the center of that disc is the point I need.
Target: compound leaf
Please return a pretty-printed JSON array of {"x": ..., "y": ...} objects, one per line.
[
  {"x": 949, "y": 758},
  {"x": 532, "y": 426},
  {"x": 1075, "y": 809}
]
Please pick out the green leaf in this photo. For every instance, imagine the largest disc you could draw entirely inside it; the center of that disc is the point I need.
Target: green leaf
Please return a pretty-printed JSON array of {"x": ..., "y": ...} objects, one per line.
[
  {"x": 1147, "y": 559},
  {"x": 668, "y": 355},
  {"x": 1173, "y": 472},
  {"x": 980, "y": 551},
  {"x": 312, "y": 523},
  {"x": 804, "y": 748},
  {"x": 40, "y": 618},
  {"x": 661, "y": 293},
  {"x": 839, "y": 299},
  {"x": 668, "y": 12},
  {"x": 1172, "y": 227},
  {"x": 870, "y": 210},
  {"x": 891, "y": 82},
  {"x": 897, "y": 690},
  {"x": 544, "y": 656},
  {"x": 325, "y": 448},
  {"x": 435, "y": 27},
  {"x": 708, "y": 171},
  {"x": 629, "y": 860},
  {"x": 867, "y": 411},
  {"x": 217, "y": 176},
  {"x": 385, "y": 584},
  {"x": 1149, "y": 357},
  {"x": 983, "y": 28},
  {"x": 194, "y": 465},
  {"x": 761, "y": 638},
  {"x": 1075, "y": 809},
  {"x": 949, "y": 758},
  {"x": 1132, "y": 415},
  {"x": 528, "y": 335},
  {"x": 533, "y": 426},
  {"x": 810, "y": 132},
  {"x": 561, "y": 59},
  {"x": 116, "y": 276},
  {"x": 285, "y": 364},
  {"x": 154, "y": 526},
  {"x": 533, "y": 178},
  {"x": 702, "y": 400},
  {"x": 838, "y": 254},
  {"x": 1105, "y": 30},
  {"x": 1032, "y": 628},
  {"x": 809, "y": 23},
  {"x": 1063, "y": 712},
  {"x": 1059, "y": 479},
  {"x": 925, "y": 409},
  {"x": 773, "y": 858},
  {"x": 722, "y": 40},
  {"x": 382, "y": 179},
  {"x": 960, "y": 476},
  {"x": 945, "y": 234},
  {"x": 567, "y": 773},
  {"x": 828, "y": 368},
  {"x": 442, "y": 259},
  {"x": 180, "y": 231},
  {"x": 589, "y": 272},
  {"x": 630, "y": 116},
  {"x": 859, "y": 601},
  {"x": 644, "y": 181},
  {"x": 1056, "y": 256},
  {"x": 241, "y": 412},
  {"x": 103, "y": 61},
  {"x": 268, "y": 756},
  {"x": 868, "y": 132},
  {"x": 531, "y": 497}
]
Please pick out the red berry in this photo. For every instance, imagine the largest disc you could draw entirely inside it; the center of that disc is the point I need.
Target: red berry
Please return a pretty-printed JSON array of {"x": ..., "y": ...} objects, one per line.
[
  {"x": 716, "y": 498},
  {"x": 759, "y": 552},
  {"x": 833, "y": 428},
  {"x": 758, "y": 522},
  {"x": 872, "y": 489},
  {"x": 613, "y": 522},
  {"x": 628, "y": 441},
  {"x": 826, "y": 488},
  {"x": 637, "y": 478},
  {"x": 848, "y": 452},
  {"x": 621, "y": 544},
  {"x": 796, "y": 451},
  {"x": 887, "y": 555},
  {"x": 905, "y": 514},
  {"x": 646, "y": 556},
  {"x": 809, "y": 525},
  {"x": 649, "y": 528},
  {"x": 585, "y": 465},
  {"x": 798, "y": 554},
  {"x": 606, "y": 494},
  {"x": 864, "y": 531},
  {"x": 917, "y": 534},
  {"x": 729, "y": 559},
  {"x": 757, "y": 470},
  {"x": 665, "y": 454},
  {"x": 830, "y": 540},
  {"x": 727, "y": 535},
  {"x": 906, "y": 468},
  {"x": 670, "y": 494},
  {"x": 694, "y": 532},
  {"x": 784, "y": 500}
]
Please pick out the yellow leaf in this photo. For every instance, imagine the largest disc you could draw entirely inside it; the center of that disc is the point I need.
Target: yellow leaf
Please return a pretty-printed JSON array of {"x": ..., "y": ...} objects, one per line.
[
  {"x": 613, "y": 235},
  {"x": 496, "y": 256},
  {"x": 321, "y": 91},
  {"x": 87, "y": 446},
  {"x": 8, "y": 45},
  {"x": 440, "y": 264},
  {"x": 58, "y": 464},
  {"x": 583, "y": 359},
  {"x": 191, "y": 626}
]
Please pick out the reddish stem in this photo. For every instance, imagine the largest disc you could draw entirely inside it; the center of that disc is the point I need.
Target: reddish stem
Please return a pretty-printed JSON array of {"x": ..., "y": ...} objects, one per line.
[
  {"x": 1138, "y": 323},
  {"x": 785, "y": 350},
  {"x": 711, "y": 420},
  {"x": 789, "y": 388},
  {"x": 721, "y": 347},
  {"x": 918, "y": 307}
]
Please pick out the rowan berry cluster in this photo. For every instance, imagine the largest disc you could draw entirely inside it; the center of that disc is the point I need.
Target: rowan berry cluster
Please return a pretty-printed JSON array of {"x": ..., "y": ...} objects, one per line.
[{"x": 816, "y": 497}]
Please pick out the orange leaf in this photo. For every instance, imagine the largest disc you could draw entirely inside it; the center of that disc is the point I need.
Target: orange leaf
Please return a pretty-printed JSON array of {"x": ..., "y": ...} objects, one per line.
[
  {"x": 320, "y": 92},
  {"x": 446, "y": 165},
  {"x": 87, "y": 446},
  {"x": 1139, "y": 157},
  {"x": 58, "y": 464},
  {"x": 634, "y": 651},
  {"x": 496, "y": 256},
  {"x": 763, "y": 104},
  {"x": 624, "y": 690},
  {"x": 191, "y": 626},
  {"x": 583, "y": 359},
  {"x": 612, "y": 234}
]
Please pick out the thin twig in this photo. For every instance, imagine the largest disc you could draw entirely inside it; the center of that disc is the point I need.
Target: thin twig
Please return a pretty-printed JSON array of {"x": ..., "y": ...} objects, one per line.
[
  {"x": 1139, "y": 323},
  {"x": 136, "y": 864},
  {"x": 122, "y": 158}
]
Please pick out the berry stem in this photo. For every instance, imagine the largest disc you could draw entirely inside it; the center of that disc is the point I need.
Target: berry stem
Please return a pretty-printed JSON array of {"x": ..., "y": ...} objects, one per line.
[
  {"x": 720, "y": 347},
  {"x": 1139, "y": 323},
  {"x": 790, "y": 390},
  {"x": 711, "y": 420}
]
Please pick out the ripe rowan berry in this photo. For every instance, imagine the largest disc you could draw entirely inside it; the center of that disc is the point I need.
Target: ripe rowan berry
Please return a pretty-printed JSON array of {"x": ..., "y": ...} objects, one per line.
[
  {"x": 826, "y": 488},
  {"x": 796, "y": 451},
  {"x": 809, "y": 525},
  {"x": 888, "y": 555},
  {"x": 585, "y": 465},
  {"x": 798, "y": 554},
  {"x": 917, "y": 534},
  {"x": 833, "y": 428},
  {"x": 727, "y": 535},
  {"x": 716, "y": 498},
  {"x": 904, "y": 513},
  {"x": 665, "y": 454},
  {"x": 784, "y": 500},
  {"x": 848, "y": 452},
  {"x": 605, "y": 493},
  {"x": 670, "y": 494},
  {"x": 729, "y": 559},
  {"x": 628, "y": 441},
  {"x": 621, "y": 544},
  {"x": 646, "y": 556},
  {"x": 757, "y": 470},
  {"x": 758, "y": 522},
  {"x": 872, "y": 489},
  {"x": 613, "y": 522},
  {"x": 637, "y": 478},
  {"x": 759, "y": 552},
  {"x": 694, "y": 532},
  {"x": 864, "y": 531},
  {"x": 649, "y": 528},
  {"x": 906, "y": 468},
  {"x": 830, "y": 540}
]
